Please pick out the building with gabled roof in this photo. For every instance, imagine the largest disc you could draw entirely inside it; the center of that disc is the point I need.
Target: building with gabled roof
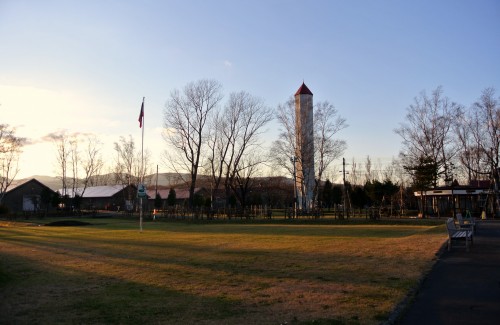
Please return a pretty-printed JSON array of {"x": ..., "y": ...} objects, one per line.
[
  {"x": 106, "y": 197},
  {"x": 28, "y": 195}
]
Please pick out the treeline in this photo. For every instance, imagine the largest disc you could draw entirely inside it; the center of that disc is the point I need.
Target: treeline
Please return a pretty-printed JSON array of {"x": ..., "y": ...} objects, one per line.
[
  {"x": 445, "y": 142},
  {"x": 222, "y": 138}
]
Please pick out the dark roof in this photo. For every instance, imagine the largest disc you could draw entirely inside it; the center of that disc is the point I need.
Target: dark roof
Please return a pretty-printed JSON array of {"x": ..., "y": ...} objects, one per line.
[
  {"x": 180, "y": 193},
  {"x": 95, "y": 191},
  {"x": 480, "y": 183},
  {"x": 303, "y": 90},
  {"x": 20, "y": 183}
]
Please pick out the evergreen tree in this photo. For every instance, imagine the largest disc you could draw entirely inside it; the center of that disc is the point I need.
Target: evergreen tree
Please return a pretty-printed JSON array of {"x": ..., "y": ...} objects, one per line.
[
  {"x": 157, "y": 203},
  {"x": 327, "y": 195},
  {"x": 172, "y": 197},
  {"x": 424, "y": 173}
]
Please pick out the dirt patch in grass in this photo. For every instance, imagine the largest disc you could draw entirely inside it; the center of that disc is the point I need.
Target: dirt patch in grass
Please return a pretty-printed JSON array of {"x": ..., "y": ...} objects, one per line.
[{"x": 68, "y": 223}]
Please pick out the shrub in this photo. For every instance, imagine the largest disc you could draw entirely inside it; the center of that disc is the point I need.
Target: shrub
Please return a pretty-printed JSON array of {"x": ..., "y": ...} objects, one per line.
[{"x": 4, "y": 209}]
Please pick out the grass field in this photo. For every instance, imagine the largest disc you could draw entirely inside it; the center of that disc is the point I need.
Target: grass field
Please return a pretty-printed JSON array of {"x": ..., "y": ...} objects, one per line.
[{"x": 210, "y": 273}]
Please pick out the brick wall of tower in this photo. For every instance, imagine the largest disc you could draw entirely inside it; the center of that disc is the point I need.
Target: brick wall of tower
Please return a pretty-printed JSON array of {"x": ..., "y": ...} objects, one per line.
[{"x": 304, "y": 149}]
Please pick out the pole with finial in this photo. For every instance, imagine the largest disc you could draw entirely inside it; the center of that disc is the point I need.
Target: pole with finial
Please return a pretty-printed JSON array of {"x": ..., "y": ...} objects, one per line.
[{"x": 141, "y": 176}]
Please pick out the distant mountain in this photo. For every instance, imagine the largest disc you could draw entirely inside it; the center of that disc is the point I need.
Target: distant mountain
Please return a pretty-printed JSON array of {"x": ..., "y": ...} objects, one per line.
[
  {"x": 164, "y": 179},
  {"x": 53, "y": 183}
]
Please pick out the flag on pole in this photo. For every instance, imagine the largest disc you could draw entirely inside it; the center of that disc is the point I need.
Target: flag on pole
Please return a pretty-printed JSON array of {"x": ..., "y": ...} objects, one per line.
[{"x": 141, "y": 114}]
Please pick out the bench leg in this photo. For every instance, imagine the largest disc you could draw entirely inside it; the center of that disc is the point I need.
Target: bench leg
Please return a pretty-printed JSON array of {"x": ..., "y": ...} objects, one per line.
[{"x": 449, "y": 244}]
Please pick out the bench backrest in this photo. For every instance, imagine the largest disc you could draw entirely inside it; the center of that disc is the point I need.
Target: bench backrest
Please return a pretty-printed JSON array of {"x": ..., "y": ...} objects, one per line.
[
  {"x": 461, "y": 220},
  {"x": 450, "y": 225}
]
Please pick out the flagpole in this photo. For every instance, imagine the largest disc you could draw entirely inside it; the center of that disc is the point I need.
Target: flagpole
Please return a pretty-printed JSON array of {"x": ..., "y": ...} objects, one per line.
[
  {"x": 142, "y": 162},
  {"x": 142, "y": 145}
]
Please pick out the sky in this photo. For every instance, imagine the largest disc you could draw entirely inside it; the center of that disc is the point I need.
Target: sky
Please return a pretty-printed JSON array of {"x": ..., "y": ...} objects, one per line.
[{"x": 84, "y": 66}]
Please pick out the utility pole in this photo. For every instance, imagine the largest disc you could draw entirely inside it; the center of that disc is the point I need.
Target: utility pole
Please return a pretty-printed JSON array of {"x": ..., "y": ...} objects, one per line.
[
  {"x": 294, "y": 160},
  {"x": 156, "y": 187},
  {"x": 452, "y": 192},
  {"x": 345, "y": 191}
]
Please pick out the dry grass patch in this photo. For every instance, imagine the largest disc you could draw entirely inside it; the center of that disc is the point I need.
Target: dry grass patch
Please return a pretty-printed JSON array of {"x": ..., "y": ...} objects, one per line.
[{"x": 210, "y": 273}]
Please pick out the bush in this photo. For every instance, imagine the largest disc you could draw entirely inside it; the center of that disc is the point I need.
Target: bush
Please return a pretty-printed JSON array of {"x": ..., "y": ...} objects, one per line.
[{"x": 3, "y": 209}]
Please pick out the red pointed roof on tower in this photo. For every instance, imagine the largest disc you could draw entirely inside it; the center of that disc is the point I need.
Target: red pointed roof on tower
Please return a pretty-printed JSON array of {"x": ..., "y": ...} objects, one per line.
[{"x": 303, "y": 90}]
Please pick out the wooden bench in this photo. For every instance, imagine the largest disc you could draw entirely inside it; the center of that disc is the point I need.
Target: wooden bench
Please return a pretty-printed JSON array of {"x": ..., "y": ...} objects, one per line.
[{"x": 458, "y": 235}]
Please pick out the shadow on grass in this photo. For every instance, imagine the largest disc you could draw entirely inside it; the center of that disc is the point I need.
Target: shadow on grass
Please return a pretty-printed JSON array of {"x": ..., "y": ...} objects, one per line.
[
  {"x": 68, "y": 223},
  {"x": 194, "y": 261},
  {"x": 220, "y": 257},
  {"x": 33, "y": 293},
  {"x": 307, "y": 227}
]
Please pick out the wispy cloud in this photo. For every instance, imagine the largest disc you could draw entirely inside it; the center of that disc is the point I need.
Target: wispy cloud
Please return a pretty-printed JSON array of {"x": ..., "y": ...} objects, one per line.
[{"x": 228, "y": 64}]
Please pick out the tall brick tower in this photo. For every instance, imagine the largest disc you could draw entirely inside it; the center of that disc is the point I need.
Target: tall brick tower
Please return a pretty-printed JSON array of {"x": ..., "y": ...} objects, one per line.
[{"x": 304, "y": 151}]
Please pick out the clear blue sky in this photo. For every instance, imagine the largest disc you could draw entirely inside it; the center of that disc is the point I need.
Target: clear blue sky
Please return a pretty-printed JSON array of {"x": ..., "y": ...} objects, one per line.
[{"x": 84, "y": 66}]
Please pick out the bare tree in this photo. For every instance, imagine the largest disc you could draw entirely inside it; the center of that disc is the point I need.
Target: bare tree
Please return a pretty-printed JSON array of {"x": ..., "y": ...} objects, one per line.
[
  {"x": 427, "y": 132},
  {"x": 368, "y": 168},
  {"x": 388, "y": 172},
  {"x": 378, "y": 171},
  {"x": 400, "y": 175},
  {"x": 353, "y": 174},
  {"x": 10, "y": 150},
  {"x": 126, "y": 161},
  {"x": 479, "y": 136},
  {"x": 218, "y": 148},
  {"x": 285, "y": 146},
  {"x": 327, "y": 123},
  {"x": 236, "y": 132},
  {"x": 242, "y": 181},
  {"x": 185, "y": 119},
  {"x": 469, "y": 137},
  {"x": 71, "y": 162},
  {"x": 283, "y": 153},
  {"x": 130, "y": 165},
  {"x": 61, "y": 141},
  {"x": 489, "y": 108},
  {"x": 74, "y": 160},
  {"x": 142, "y": 169},
  {"x": 92, "y": 163}
]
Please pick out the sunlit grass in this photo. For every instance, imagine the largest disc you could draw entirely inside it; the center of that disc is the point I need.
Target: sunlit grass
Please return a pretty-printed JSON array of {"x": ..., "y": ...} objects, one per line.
[{"x": 223, "y": 273}]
